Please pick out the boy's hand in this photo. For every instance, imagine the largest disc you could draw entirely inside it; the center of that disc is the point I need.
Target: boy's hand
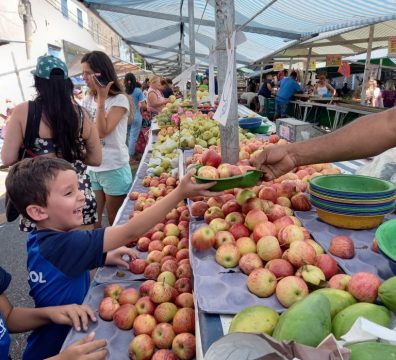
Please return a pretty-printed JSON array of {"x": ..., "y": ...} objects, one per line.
[
  {"x": 115, "y": 257},
  {"x": 73, "y": 315},
  {"x": 190, "y": 189},
  {"x": 84, "y": 349}
]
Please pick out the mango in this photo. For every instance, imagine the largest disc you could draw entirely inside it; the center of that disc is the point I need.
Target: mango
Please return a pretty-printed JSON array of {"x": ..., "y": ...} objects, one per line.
[
  {"x": 256, "y": 319},
  {"x": 387, "y": 293},
  {"x": 339, "y": 299},
  {"x": 307, "y": 321},
  {"x": 344, "y": 320},
  {"x": 372, "y": 350}
]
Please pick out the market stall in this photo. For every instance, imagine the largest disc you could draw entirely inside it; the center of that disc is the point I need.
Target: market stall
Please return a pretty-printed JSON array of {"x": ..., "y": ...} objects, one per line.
[{"x": 220, "y": 291}]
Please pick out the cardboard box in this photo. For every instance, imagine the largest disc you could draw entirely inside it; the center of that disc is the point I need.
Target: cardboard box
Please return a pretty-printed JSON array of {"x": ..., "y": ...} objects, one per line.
[{"x": 296, "y": 130}]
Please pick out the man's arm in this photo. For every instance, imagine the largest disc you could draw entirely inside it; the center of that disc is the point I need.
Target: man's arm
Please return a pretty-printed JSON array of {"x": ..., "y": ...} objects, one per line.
[{"x": 368, "y": 136}]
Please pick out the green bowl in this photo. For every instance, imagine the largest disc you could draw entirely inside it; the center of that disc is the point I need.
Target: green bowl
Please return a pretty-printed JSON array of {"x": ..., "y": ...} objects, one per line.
[
  {"x": 248, "y": 179},
  {"x": 262, "y": 129},
  {"x": 386, "y": 238},
  {"x": 366, "y": 187}
]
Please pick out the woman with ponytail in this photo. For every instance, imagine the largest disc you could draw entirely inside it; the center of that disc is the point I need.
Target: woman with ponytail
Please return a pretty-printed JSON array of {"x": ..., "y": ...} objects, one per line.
[{"x": 60, "y": 128}]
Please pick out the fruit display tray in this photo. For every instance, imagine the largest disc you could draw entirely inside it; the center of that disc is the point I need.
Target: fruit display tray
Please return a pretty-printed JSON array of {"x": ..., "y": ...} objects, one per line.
[
  {"x": 117, "y": 340},
  {"x": 365, "y": 259},
  {"x": 113, "y": 274},
  {"x": 219, "y": 290}
]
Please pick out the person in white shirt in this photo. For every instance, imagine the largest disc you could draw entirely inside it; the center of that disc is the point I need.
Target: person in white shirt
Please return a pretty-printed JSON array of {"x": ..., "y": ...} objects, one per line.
[{"x": 109, "y": 106}]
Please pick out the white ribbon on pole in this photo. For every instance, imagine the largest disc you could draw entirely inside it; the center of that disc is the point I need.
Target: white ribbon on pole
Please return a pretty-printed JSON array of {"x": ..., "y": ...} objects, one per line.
[
  {"x": 221, "y": 114},
  {"x": 212, "y": 64}
]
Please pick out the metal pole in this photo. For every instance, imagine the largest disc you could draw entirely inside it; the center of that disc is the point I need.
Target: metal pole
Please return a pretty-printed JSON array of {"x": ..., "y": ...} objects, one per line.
[
  {"x": 367, "y": 65},
  {"x": 290, "y": 64},
  {"x": 17, "y": 75},
  {"x": 27, "y": 18},
  {"x": 191, "y": 36},
  {"x": 306, "y": 69},
  {"x": 261, "y": 76},
  {"x": 225, "y": 25}
]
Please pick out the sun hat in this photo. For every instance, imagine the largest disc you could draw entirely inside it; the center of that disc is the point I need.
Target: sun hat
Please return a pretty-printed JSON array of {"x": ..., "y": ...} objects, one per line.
[{"x": 46, "y": 63}]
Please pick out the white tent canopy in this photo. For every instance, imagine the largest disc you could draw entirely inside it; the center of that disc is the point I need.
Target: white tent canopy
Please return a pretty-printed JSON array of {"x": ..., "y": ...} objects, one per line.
[{"x": 153, "y": 27}]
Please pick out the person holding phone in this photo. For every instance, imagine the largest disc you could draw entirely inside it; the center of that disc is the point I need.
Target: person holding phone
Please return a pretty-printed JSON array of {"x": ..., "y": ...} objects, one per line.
[{"x": 109, "y": 106}]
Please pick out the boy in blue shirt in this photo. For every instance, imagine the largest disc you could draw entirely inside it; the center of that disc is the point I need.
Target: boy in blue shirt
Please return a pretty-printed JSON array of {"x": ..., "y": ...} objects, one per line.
[
  {"x": 26, "y": 319},
  {"x": 45, "y": 190}
]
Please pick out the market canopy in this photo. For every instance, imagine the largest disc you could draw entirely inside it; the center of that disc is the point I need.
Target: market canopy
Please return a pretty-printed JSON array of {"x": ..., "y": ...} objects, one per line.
[
  {"x": 345, "y": 42},
  {"x": 153, "y": 27}
]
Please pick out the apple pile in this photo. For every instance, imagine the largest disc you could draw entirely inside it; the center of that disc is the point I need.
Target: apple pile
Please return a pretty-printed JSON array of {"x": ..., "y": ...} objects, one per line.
[{"x": 160, "y": 317}]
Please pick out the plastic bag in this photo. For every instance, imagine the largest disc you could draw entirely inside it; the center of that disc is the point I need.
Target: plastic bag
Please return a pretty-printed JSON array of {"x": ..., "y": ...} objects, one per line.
[{"x": 382, "y": 166}]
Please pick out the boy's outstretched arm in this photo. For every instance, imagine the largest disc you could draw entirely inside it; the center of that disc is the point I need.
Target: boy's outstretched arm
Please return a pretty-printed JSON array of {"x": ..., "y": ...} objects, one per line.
[
  {"x": 116, "y": 236},
  {"x": 27, "y": 319}
]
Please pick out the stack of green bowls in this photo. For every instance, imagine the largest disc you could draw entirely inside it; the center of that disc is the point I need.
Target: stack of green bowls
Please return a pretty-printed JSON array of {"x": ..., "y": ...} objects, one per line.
[{"x": 352, "y": 201}]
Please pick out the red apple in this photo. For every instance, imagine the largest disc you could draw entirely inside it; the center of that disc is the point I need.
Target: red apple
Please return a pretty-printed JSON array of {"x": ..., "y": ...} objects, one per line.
[
  {"x": 145, "y": 306},
  {"x": 300, "y": 202},
  {"x": 164, "y": 354},
  {"x": 137, "y": 266},
  {"x": 125, "y": 316},
  {"x": 184, "y": 346},
  {"x": 223, "y": 237},
  {"x": 364, "y": 286},
  {"x": 144, "y": 324},
  {"x": 327, "y": 264},
  {"x": 249, "y": 262},
  {"x": 280, "y": 268},
  {"x": 113, "y": 290},
  {"x": 154, "y": 256},
  {"x": 171, "y": 240},
  {"x": 129, "y": 296},
  {"x": 261, "y": 282},
  {"x": 171, "y": 230},
  {"x": 268, "y": 193},
  {"x": 185, "y": 300},
  {"x": 235, "y": 218},
  {"x": 160, "y": 293},
  {"x": 169, "y": 250},
  {"x": 184, "y": 270},
  {"x": 167, "y": 277},
  {"x": 145, "y": 287},
  {"x": 246, "y": 245},
  {"x": 215, "y": 201},
  {"x": 291, "y": 289},
  {"x": 239, "y": 230},
  {"x": 268, "y": 248},
  {"x": 339, "y": 281},
  {"x": 208, "y": 172},
  {"x": 107, "y": 308},
  {"x": 231, "y": 206},
  {"x": 219, "y": 225},
  {"x": 155, "y": 245},
  {"x": 227, "y": 255},
  {"x": 198, "y": 208},
  {"x": 213, "y": 212},
  {"x": 250, "y": 204},
  {"x": 289, "y": 234},
  {"x": 165, "y": 312},
  {"x": 253, "y": 217},
  {"x": 181, "y": 254},
  {"x": 169, "y": 265},
  {"x": 263, "y": 229},
  {"x": 211, "y": 157},
  {"x": 183, "y": 285},
  {"x": 276, "y": 212},
  {"x": 141, "y": 347},
  {"x": 184, "y": 321},
  {"x": 301, "y": 253},
  {"x": 163, "y": 336},
  {"x": 203, "y": 238},
  {"x": 342, "y": 246},
  {"x": 152, "y": 271}
]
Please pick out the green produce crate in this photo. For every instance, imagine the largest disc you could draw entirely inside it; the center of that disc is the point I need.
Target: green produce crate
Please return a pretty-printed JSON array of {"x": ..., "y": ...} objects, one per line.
[{"x": 269, "y": 108}]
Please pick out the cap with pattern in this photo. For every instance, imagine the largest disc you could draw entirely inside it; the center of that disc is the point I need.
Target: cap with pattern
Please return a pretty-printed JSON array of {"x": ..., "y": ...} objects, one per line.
[{"x": 45, "y": 64}]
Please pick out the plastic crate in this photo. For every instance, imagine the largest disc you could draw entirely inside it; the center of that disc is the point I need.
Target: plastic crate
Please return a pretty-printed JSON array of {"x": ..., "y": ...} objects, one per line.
[{"x": 269, "y": 108}]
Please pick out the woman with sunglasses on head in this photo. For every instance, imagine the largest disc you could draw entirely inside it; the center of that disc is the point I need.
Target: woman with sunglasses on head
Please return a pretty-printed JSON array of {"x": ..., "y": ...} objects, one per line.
[
  {"x": 63, "y": 130},
  {"x": 109, "y": 106}
]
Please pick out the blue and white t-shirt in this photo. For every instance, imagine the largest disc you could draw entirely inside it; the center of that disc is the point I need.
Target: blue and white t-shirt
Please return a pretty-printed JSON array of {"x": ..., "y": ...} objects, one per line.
[
  {"x": 58, "y": 265},
  {"x": 5, "y": 340}
]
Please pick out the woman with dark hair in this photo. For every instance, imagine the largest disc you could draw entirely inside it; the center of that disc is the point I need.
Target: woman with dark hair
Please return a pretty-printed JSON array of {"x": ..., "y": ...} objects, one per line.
[
  {"x": 109, "y": 106},
  {"x": 65, "y": 130},
  {"x": 134, "y": 91}
]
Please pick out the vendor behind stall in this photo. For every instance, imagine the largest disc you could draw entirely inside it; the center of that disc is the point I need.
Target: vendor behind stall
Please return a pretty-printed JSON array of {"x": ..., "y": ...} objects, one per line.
[
  {"x": 288, "y": 87},
  {"x": 265, "y": 91}
]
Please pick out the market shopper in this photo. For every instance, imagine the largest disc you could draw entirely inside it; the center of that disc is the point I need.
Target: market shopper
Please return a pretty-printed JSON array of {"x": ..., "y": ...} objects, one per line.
[
  {"x": 368, "y": 136},
  {"x": 265, "y": 91},
  {"x": 166, "y": 88},
  {"x": 323, "y": 87},
  {"x": 63, "y": 130},
  {"x": 288, "y": 87},
  {"x": 137, "y": 96},
  {"x": 155, "y": 100},
  {"x": 17, "y": 320},
  {"x": 46, "y": 190},
  {"x": 109, "y": 106}
]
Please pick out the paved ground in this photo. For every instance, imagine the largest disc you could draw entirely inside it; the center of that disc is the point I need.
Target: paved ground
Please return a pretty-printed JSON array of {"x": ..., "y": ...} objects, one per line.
[{"x": 13, "y": 259}]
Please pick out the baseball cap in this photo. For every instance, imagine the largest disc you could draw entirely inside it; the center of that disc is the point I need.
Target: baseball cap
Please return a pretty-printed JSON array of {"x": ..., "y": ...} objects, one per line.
[{"x": 46, "y": 63}]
